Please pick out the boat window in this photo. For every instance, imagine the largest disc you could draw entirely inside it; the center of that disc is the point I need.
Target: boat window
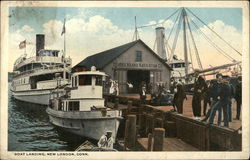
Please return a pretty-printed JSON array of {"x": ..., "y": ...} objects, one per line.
[
  {"x": 73, "y": 106},
  {"x": 53, "y": 53},
  {"x": 177, "y": 65},
  {"x": 76, "y": 81},
  {"x": 72, "y": 83},
  {"x": 98, "y": 80},
  {"x": 84, "y": 80}
]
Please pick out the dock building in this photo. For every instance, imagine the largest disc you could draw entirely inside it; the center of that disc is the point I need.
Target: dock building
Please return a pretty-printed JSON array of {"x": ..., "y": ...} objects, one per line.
[{"x": 134, "y": 62}]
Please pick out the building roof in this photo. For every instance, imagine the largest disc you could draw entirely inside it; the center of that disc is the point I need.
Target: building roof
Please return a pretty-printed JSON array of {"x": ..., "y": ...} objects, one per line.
[{"x": 100, "y": 60}]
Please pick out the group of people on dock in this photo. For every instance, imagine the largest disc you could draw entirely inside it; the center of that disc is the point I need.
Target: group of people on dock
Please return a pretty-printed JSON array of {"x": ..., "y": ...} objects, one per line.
[{"x": 218, "y": 94}]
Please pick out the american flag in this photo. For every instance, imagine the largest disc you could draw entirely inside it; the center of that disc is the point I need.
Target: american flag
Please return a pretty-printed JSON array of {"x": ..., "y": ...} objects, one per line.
[{"x": 22, "y": 44}]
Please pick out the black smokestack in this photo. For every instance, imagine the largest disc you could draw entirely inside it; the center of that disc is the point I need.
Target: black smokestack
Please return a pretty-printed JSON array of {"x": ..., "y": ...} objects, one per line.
[{"x": 39, "y": 43}]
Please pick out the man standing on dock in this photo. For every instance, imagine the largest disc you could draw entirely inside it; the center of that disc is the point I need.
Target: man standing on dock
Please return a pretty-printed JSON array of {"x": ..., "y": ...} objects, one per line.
[
  {"x": 238, "y": 97},
  {"x": 106, "y": 141},
  {"x": 199, "y": 87},
  {"x": 224, "y": 96},
  {"x": 143, "y": 95}
]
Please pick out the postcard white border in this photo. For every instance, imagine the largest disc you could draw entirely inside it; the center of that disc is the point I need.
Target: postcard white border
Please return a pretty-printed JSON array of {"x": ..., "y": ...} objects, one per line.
[{"x": 127, "y": 155}]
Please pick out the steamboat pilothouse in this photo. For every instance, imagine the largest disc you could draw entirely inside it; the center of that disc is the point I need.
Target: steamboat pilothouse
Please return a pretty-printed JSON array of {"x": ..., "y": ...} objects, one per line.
[
  {"x": 81, "y": 110},
  {"x": 34, "y": 78}
]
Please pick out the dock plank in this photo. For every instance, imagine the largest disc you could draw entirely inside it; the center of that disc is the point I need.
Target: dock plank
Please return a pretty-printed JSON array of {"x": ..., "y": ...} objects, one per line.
[{"x": 170, "y": 144}]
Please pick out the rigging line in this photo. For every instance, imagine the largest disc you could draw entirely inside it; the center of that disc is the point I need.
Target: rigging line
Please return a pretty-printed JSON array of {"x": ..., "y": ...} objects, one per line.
[
  {"x": 177, "y": 17},
  {"x": 168, "y": 47},
  {"x": 214, "y": 45},
  {"x": 176, "y": 37},
  {"x": 167, "y": 40},
  {"x": 195, "y": 47},
  {"x": 214, "y": 32},
  {"x": 154, "y": 45},
  {"x": 189, "y": 49},
  {"x": 217, "y": 48},
  {"x": 160, "y": 22}
]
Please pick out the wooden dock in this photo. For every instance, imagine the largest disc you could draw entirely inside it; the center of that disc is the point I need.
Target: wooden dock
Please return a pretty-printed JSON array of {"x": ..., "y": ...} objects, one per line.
[
  {"x": 169, "y": 144},
  {"x": 179, "y": 129}
]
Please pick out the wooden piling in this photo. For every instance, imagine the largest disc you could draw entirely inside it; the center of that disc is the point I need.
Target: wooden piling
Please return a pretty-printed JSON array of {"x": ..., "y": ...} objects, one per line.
[
  {"x": 171, "y": 129},
  {"x": 129, "y": 107},
  {"x": 150, "y": 138},
  {"x": 130, "y": 132},
  {"x": 159, "y": 135},
  {"x": 149, "y": 123}
]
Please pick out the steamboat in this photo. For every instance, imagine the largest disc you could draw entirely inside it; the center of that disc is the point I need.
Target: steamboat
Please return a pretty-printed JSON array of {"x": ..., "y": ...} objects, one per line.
[
  {"x": 81, "y": 110},
  {"x": 34, "y": 78}
]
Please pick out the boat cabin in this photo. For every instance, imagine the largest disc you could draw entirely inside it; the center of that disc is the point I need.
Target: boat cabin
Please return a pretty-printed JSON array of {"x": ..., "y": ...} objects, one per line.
[{"x": 86, "y": 91}]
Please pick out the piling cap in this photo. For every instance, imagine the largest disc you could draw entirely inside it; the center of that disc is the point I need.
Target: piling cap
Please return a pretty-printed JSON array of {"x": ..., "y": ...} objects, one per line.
[{"x": 93, "y": 68}]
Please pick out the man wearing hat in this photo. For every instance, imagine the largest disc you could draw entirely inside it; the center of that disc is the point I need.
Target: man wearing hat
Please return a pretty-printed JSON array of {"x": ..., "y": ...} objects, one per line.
[
  {"x": 106, "y": 141},
  {"x": 238, "y": 96},
  {"x": 199, "y": 87},
  {"x": 222, "y": 104}
]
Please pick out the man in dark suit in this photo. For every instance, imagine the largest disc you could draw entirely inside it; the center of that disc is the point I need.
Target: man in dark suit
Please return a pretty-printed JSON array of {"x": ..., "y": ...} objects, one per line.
[
  {"x": 143, "y": 94},
  {"x": 199, "y": 87},
  {"x": 238, "y": 97},
  {"x": 224, "y": 96}
]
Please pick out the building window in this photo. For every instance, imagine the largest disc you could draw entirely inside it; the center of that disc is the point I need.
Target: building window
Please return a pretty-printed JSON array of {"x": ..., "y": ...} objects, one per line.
[{"x": 138, "y": 57}]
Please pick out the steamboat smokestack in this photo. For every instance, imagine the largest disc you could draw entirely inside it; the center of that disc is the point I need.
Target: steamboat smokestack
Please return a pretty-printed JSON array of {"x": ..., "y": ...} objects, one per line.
[
  {"x": 160, "y": 34},
  {"x": 39, "y": 43}
]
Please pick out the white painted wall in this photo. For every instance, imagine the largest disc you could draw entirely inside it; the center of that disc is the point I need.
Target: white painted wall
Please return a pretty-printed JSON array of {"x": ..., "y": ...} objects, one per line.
[
  {"x": 87, "y": 92},
  {"x": 87, "y": 104}
]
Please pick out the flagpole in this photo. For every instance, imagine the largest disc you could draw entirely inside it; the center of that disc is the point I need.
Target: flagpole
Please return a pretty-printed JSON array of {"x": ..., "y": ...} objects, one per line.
[
  {"x": 64, "y": 53},
  {"x": 25, "y": 48}
]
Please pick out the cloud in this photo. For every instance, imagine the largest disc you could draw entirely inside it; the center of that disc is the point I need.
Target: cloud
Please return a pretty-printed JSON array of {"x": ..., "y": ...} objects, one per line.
[
  {"x": 167, "y": 24},
  {"x": 27, "y": 28},
  {"x": 100, "y": 25},
  {"x": 89, "y": 35}
]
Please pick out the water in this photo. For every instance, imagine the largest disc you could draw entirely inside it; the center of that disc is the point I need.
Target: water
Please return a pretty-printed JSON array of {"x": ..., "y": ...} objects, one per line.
[{"x": 29, "y": 129}]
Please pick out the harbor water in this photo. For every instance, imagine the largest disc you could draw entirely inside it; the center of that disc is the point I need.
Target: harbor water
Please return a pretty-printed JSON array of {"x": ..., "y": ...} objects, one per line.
[{"x": 29, "y": 129}]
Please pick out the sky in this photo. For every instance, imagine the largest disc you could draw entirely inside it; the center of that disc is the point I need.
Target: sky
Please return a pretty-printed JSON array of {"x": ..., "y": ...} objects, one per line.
[{"x": 92, "y": 30}]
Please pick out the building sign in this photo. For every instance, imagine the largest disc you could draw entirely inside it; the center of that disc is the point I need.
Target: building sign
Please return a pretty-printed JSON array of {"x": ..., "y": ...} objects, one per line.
[{"x": 137, "y": 65}]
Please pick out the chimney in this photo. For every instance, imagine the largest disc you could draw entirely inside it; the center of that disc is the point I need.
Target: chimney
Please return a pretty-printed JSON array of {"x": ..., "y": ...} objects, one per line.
[
  {"x": 39, "y": 43},
  {"x": 160, "y": 34}
]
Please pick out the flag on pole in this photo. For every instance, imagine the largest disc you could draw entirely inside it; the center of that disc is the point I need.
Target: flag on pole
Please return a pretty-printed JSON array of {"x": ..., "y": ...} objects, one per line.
[
  {"x": 22, "y": 44},
  {"x": 64, "y": 29}
]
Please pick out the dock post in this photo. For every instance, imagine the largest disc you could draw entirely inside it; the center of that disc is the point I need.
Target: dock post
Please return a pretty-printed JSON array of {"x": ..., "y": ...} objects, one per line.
[
  {"x": 129, "y": 107},
  {"x": 150, "y": 138},
  {"x": 130, "y": 131},
  {"x": 171, "y": 129},
  {"x": 116, "y": 103},
  {"x": 159, "y": 135}
]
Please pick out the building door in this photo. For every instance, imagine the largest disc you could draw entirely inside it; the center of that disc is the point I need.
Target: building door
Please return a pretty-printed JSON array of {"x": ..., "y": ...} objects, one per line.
[{"x": 137, "y": 77}]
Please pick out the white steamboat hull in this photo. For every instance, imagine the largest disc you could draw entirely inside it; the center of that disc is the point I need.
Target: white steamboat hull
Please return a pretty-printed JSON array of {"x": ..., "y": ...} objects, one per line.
[
  {"x": 90, "y": 124},
  {"x": 40, "y": 97}
]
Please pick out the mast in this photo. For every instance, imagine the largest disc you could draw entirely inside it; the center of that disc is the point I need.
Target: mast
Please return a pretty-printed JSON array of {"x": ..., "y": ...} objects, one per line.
[
  {"x": 64, "y": 52},
  {"x": 184, "y": 15},
  {"x": 136, "y": 35}
]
